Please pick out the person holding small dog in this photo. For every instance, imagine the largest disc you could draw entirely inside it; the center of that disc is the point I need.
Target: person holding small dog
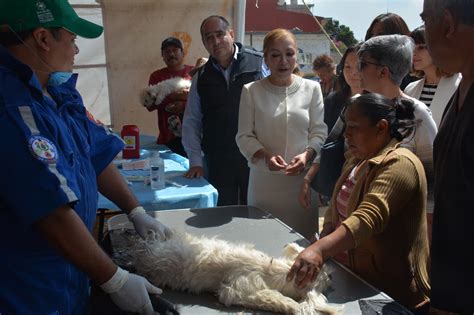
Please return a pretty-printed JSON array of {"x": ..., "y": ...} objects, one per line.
[
  {"x": 376, "y": 220},
  {"x": 172, "y": 107},
  {"x": 281, "y": 130}
]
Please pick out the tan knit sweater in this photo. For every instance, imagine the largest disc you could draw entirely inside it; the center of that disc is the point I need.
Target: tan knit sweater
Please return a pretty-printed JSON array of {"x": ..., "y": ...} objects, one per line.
[{"x": 386, "y": 217}]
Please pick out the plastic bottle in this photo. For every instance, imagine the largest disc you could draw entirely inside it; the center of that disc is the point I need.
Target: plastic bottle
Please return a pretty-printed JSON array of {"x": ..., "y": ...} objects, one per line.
[
  {"x": 131, "y": 136},
  {"x": 157, "y": 171}
]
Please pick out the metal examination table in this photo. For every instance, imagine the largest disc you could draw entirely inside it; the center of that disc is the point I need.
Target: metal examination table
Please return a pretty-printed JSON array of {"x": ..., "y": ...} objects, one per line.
[{"x": 252, "y": 225}]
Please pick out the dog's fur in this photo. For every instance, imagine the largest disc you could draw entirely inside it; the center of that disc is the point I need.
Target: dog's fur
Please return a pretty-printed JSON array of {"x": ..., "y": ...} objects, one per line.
[
  {"x": 155, "y": 94},
  {"x": 237, "y": 273}
]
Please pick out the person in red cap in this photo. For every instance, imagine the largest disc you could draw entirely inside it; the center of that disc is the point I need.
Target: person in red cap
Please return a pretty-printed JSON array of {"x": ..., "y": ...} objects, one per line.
[
  {"x": 171, "y": 108},
  {"x": 56, "y": 159}
]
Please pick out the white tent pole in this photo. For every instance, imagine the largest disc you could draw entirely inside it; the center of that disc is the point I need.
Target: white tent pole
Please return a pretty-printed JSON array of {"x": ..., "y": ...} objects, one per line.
[{"x": 239, "y": 20}]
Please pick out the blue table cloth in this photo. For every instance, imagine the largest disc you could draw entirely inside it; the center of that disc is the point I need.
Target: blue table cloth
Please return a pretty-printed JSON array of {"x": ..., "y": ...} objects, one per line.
[{"x": 179, "y": 193}]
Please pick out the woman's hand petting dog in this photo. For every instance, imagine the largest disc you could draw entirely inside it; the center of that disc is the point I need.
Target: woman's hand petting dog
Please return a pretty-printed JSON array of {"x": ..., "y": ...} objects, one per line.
[{"x": 306, "y": 267}]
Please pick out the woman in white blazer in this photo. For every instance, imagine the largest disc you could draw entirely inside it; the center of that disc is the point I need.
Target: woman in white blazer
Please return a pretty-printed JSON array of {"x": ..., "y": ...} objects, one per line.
[
  {"x": 281, "y": 130},
  {"x": 436, "y": 87}
]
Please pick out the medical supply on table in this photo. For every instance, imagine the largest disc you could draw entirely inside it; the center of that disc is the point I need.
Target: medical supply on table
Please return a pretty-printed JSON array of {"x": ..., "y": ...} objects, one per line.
[
  {"x": 157, "y": 171},
  {"x": 128, "y": 165},
  {"x": 131, "y": 136}
]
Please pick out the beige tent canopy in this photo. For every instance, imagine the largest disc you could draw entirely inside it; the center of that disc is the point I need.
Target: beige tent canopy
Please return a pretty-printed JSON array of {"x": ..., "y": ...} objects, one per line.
[{"x": 115, "y": 67}]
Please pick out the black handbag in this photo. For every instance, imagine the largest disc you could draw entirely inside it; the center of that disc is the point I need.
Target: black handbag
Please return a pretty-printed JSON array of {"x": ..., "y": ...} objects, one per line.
[{"x": 331, "y": 161}]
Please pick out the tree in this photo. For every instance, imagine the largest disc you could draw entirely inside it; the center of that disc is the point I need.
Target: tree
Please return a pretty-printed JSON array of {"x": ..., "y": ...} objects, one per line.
[{"x": 340, "y": 32}]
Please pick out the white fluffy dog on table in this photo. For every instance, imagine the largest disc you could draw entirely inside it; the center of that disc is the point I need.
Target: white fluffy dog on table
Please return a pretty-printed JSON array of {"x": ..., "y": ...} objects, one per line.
[{"x": 237, "y": 273}]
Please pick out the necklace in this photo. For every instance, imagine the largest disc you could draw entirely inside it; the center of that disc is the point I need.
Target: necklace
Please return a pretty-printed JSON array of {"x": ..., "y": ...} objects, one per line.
[{"x": 434, "y": 81}]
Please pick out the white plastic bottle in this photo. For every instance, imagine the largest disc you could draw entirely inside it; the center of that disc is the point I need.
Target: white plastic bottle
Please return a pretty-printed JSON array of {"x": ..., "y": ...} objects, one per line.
[{"x": 157, "y": 171}]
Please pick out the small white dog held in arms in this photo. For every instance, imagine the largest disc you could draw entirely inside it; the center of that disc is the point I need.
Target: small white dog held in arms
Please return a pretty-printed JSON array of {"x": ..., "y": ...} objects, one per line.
[
  {"x": 155, "y": 94},
  {"x": 237, "y": 273}
]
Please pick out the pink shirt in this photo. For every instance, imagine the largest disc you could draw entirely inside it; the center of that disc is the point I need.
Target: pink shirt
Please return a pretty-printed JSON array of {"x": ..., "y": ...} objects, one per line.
[
  {"x": 343, "y": 195},
  {"x": 342, "y": 199}
]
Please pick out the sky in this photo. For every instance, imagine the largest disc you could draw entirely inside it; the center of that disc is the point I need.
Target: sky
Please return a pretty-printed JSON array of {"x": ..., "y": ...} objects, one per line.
[{"x": 358, "y": 14}]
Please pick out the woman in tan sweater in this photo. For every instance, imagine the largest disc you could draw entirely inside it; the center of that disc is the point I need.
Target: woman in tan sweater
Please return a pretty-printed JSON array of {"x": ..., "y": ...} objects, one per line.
[{"x": 376, "y": 222}]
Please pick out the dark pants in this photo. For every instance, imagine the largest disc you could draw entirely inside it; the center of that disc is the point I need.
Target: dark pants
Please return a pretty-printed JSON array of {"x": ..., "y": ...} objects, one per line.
[
  {"x": 176, "y": 146},
  {"x": 230, "y": 176}
]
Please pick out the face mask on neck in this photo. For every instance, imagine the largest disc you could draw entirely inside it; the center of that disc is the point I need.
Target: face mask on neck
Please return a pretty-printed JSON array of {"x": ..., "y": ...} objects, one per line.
[{"x": 59, "y": 77}]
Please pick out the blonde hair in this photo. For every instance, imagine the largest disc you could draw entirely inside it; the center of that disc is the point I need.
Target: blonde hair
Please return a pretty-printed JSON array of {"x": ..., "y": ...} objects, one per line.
[{"x": 275, "y": 35}]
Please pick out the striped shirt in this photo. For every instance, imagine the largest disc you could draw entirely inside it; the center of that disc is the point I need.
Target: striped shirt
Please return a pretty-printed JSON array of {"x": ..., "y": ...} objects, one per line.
[
  {"x": 427, "y": 93},
  {"x": 343, "y": 195},
  {"x": 342, "y": 200}
]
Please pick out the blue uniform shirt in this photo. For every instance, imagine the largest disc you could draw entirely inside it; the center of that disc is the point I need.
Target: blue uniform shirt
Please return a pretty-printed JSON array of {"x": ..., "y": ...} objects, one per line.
[{"x": 50, "y": 156}]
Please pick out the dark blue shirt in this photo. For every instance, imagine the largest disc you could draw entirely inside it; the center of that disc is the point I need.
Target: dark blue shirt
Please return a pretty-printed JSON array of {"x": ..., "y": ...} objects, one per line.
[{"x": 50, "y": 155}]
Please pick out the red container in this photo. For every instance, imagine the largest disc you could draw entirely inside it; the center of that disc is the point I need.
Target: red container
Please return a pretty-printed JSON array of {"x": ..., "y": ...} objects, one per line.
[{"x": 131, "y": 136}]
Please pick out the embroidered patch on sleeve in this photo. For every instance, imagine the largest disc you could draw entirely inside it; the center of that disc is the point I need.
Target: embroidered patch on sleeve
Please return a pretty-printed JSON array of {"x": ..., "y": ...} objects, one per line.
[{"x": 43, "y": 149}]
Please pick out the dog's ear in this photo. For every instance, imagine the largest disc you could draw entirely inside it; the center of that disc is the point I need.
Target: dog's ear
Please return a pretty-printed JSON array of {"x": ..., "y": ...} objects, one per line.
[{"x": 290, "y": 251}]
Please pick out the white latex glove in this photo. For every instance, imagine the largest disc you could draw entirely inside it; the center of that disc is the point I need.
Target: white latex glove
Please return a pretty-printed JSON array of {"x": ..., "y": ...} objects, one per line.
[
  {"x": 130, "y": 292},
  {"x": 146, "y": 226}
]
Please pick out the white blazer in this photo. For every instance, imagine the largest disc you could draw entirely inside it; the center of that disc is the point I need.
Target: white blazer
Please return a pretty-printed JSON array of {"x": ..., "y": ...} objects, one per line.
[{"x": 445, "y": 90}]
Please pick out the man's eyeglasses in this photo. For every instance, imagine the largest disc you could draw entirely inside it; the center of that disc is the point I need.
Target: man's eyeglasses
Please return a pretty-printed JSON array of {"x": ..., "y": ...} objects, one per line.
[{"x": 363, "y": 63}]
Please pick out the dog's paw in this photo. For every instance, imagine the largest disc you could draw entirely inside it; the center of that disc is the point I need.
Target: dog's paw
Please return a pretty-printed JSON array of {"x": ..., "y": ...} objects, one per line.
[
  {"x": 292, "y": 250},
  {"x": 319, "y": 304},
  {"x": 305, "y": 309}
]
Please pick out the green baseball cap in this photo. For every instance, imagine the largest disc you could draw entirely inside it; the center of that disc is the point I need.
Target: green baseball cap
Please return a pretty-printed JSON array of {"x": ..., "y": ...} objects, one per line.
[{"x": 23, "y": 15}]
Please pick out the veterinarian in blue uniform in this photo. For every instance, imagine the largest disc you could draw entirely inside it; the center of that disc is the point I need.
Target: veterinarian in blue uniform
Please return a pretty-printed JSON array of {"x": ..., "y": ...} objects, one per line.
[{"x": 54, "y": 160}]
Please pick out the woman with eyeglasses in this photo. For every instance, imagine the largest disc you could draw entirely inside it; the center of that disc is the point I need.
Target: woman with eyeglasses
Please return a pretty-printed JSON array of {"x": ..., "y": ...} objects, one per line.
[
  {"x": 383, "y": 63},
  {"x": 349, "y": 81},
  {"x": 436, "y": 87},
  {"x": 376, "y": 219}
]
